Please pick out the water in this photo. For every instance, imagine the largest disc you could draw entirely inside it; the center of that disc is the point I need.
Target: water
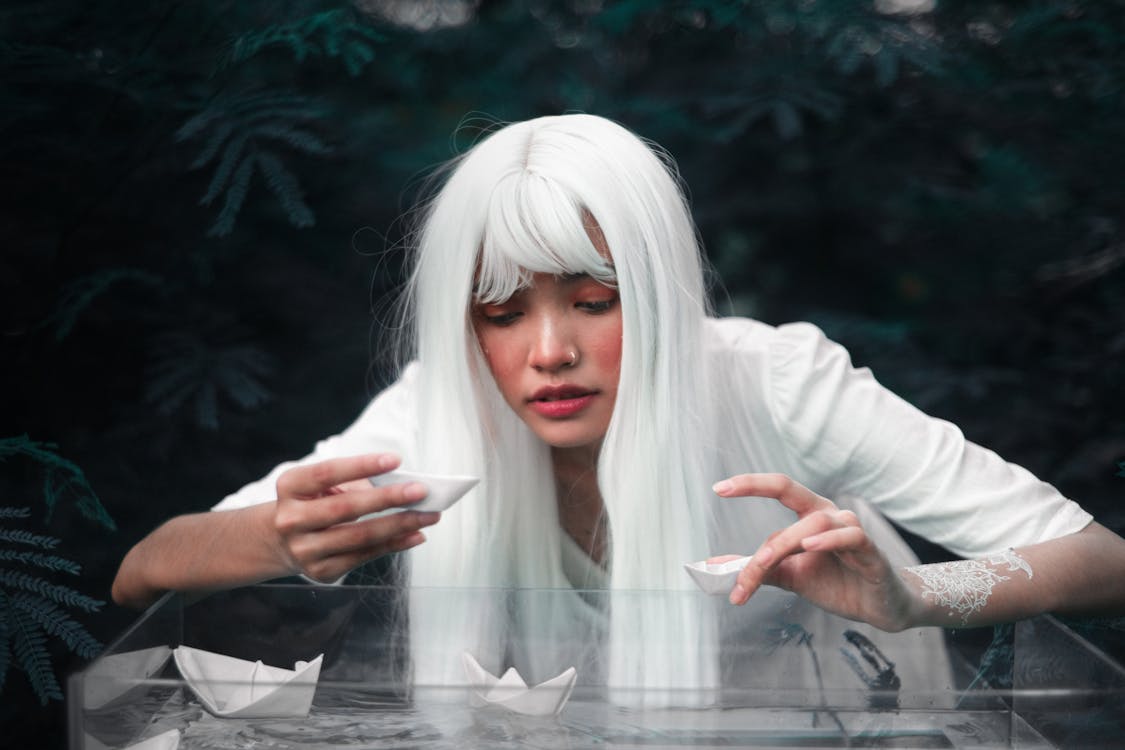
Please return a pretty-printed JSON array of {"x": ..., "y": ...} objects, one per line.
[{"x": 355, "y": 720}]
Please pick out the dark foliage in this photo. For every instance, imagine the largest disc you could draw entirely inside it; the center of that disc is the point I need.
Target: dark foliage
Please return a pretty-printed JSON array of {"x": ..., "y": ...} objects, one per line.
[{"x": 202, "y": 201}]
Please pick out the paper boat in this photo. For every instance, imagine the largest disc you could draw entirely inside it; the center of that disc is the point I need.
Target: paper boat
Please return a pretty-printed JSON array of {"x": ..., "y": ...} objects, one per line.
[
  {"x": 248, "y": 689},
  {"x": 716, "y": 578},
  {"x": 512, "y": 693},
  {"x": 112, "y": 676},
  {"x": 445, "y": 489},
  {"x": 169, "y": 740}
]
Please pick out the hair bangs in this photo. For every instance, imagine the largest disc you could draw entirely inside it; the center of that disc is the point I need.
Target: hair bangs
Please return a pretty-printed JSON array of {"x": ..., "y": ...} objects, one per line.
[{"x": 534, "y": 226}]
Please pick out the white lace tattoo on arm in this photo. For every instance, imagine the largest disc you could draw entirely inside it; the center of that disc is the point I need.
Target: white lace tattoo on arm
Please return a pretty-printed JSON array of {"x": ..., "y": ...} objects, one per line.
[{"x": 965, "y": 586}]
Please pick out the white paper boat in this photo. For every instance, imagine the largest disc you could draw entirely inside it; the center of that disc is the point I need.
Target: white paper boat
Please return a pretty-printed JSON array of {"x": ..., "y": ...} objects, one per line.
[
  {"x": 248, "y": 689},
  {"x": 112, "y": 676},
  {"x": 716, "y": 578},
  {"x": 511, "y": 692},
  {"x": 444, "y": 490},
  {"x": 169, "y": 740}
]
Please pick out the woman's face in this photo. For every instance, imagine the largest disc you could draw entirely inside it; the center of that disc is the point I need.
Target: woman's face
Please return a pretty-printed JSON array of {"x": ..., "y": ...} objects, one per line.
[{"x": 554, "y": 350}]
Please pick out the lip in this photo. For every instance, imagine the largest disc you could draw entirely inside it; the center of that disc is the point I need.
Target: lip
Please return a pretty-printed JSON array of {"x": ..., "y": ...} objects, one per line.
[{"x": 561, "y": 401}]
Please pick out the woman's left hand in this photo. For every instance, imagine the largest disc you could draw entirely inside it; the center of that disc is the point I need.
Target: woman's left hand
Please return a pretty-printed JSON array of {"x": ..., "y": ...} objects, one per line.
[{"x": 825, "y": 557}]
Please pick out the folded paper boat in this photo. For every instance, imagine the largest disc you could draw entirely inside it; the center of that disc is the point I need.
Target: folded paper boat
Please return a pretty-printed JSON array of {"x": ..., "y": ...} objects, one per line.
[
  {"x": 239, "y": 688},
  {"x": 444, "y": 490},
  {"x": 169, "y": 740},
  {"x": 114, "y": 675},
  {"x": 716, "y": 578},
  {"x": 511, "y": 692}
]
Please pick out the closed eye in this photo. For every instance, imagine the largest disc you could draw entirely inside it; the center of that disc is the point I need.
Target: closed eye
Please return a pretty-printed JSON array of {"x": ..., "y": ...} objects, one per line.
[
  {"x": 597, "y": 306},
  {"x": 499, "y": 318}
]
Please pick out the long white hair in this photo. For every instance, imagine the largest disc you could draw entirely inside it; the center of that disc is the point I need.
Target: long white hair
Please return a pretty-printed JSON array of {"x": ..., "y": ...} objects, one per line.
[{"x": 517, "y": 203}]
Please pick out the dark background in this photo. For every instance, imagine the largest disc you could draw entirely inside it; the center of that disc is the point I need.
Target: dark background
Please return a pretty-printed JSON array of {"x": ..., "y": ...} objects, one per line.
[{"x": 200, "y": 232}]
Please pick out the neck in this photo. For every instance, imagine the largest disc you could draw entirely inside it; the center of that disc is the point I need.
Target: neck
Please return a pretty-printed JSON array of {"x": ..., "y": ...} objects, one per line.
[{"x": 581, "y": 512}]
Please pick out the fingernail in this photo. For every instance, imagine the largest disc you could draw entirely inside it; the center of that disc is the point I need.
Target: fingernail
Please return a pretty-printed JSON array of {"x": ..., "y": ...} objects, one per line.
[
  {"x": 414, "y": 491},
  {"x": 428, "y": 518},
  {"x": 387, "y": 461},
  {"x": 737, "y": 594},
  {"x": 723, "y": 487}
]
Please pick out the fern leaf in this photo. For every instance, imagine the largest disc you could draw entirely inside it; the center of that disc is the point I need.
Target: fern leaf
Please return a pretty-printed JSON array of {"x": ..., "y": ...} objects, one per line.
[
  {"x": 56, "y": 593},
  {"x": 197, "y": 123},
  {"x": 302, "y": 140},
  {"x": 284, "y": 185},
  {"x": 207, "y": 406},
  {"x": 236, "y": 196},
  {"x": 58, "y": 623},
  {"x": 239, "y": 379},
  {"x": 80, "y": 294},
  {"x": 214, "y": 143},
  {"x": 191, "y": 369},
  {"x": 15, "y": 513},
  {"x": 231, "y": 154},
  {"x": 29, "y": 645},
  {"x": 58, "y": 484},
  {"x": 327, "y": 33},
  {"x": 19, "y": 536},
  {"x": 356, "y": 57},
  {"x": 53, "y": 563},
  {"x": 72, "y": 477}
]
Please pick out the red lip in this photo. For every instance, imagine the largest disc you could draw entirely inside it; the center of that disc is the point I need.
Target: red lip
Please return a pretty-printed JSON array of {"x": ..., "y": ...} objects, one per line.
[{"x": 560, "y": 401}]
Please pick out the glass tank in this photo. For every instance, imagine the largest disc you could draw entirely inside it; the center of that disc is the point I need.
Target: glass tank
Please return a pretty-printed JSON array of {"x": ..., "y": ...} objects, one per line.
[{"x": 298, "y": 666}]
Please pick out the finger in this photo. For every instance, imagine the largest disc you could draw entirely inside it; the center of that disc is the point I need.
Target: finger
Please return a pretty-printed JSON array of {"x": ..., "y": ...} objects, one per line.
[
  {"x": 774, "y": 550},
  {"x": 371, "y": 536},
  {"x": 316, "y": 479},
  {"x": 848, "y": 535},
  {"x": 720, "y": 559},
  {"x": 296, "y": 516},
  {"x": 792, "y": 495},
  {"x": 853, "y": 548},
  {"x": 330, "y": 569}
]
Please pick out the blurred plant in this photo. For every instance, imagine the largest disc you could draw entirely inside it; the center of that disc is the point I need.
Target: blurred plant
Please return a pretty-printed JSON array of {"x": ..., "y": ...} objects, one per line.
[
  {"x": 333, "y": 33},
  {"x": 31, "y": 605},
  {"x": 187, "y": 369},
  {"x": 62, "y": 478},
  {"x": 236, "y": 129},
  {"x": 80, "y": 294}
]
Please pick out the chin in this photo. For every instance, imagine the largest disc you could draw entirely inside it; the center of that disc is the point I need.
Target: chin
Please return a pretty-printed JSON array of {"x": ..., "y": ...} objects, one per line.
[{"x": 570, "y": 438}]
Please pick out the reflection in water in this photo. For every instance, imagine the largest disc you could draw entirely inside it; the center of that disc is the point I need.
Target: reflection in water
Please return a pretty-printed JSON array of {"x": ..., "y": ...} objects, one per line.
[{"x": 344, "y": 718}]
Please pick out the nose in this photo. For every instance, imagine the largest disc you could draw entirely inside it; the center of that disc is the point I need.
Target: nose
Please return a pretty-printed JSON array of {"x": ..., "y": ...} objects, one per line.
[{"x": 555, "y": 345}]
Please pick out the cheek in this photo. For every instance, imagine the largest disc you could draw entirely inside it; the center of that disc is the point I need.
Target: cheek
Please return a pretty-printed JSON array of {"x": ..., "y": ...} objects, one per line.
[
  {"x": 501, "y": 357},
  {"x": 606, "y": 350}
]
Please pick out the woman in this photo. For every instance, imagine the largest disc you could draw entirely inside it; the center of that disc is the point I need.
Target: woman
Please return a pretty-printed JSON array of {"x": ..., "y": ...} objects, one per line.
[{"x": 561, "y": 350}]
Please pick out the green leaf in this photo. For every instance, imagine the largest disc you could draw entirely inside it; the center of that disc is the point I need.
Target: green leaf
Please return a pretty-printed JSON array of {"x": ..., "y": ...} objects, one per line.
[
  {"x": 29, "y": 645},
  {"x": 58, "y": 623},
  {"x": 236, "y": 196},
  {"x": 56, "y": 593},
  {"x": 53, "y": 563},
  {"x": 62, "y": 477},
  {"x": 284, "y": 185}
]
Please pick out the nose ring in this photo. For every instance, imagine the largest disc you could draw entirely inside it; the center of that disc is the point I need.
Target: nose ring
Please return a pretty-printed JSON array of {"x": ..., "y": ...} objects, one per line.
[{"x": 573, "y": 358}]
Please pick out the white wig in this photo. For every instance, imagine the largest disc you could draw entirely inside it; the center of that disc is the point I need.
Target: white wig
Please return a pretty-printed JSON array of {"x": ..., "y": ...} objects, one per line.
[{"x": 519, "y": 202}]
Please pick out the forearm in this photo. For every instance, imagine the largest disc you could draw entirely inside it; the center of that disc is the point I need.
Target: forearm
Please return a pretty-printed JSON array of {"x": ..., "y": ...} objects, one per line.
[
  {"x": 1083, "y": 574},
  {"x": 202, "y": 551}
]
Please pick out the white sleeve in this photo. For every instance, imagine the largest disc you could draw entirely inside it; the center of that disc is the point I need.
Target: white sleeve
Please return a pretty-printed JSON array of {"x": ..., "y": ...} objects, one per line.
[
  {"x": 385, "y": 425},
  {"x": 858, "y": 438}
]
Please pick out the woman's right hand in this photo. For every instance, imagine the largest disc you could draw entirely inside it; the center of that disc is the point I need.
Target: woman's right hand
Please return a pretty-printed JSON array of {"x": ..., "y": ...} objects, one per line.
[{"x": 317, "y": 507}]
